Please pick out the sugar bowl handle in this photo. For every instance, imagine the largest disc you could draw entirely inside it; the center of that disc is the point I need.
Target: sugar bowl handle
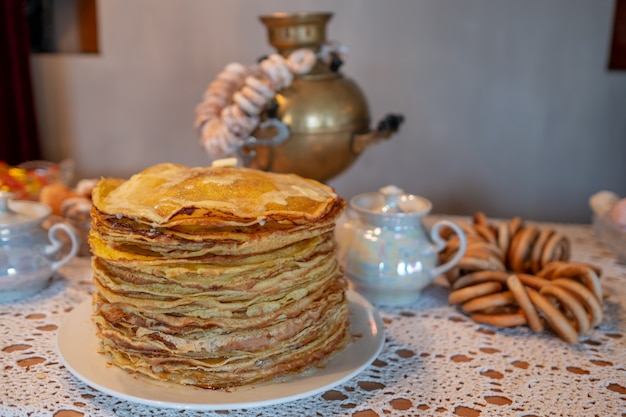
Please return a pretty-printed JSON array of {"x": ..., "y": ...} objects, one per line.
[
  {"x": 440, "y": 244},
  {"x": 56, "y": 244}
]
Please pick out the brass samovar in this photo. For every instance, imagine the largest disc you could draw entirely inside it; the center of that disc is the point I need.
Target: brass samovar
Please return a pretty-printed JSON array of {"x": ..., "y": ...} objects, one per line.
[{"x": 323, "y": 116}]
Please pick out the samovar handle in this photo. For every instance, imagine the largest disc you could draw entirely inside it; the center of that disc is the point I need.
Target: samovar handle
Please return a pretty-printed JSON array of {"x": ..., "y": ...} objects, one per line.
[
  {"x": 385, "y": 129},
  {"x": 245, "y": 151}
]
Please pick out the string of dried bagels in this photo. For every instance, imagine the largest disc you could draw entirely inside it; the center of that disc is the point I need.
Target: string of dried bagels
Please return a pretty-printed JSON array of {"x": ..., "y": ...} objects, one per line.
[
  {"x": 513, "y": 274},
  {"x": 232, "y": 104}
]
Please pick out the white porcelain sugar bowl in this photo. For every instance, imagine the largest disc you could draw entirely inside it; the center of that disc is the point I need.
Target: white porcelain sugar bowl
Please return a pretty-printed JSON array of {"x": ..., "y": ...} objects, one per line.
[
  {"x": 386, "y": 251},
  {"x": 28, "y": 253}
]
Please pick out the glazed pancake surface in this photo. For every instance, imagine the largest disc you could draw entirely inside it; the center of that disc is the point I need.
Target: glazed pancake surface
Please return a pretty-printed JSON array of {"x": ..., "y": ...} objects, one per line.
[{"x": 168, "y": 193}]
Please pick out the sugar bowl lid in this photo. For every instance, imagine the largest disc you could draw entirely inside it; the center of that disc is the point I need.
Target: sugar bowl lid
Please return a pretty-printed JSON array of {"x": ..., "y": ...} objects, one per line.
[
  {"x": 391, "y": 200},
  {"x": 390, "y": 205},
  {"x": 20, "y": 213}
]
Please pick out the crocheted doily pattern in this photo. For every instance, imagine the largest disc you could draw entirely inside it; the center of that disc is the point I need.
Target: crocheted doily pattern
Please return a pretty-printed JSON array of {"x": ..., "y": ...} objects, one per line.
[{"x": 436, "y": 361}]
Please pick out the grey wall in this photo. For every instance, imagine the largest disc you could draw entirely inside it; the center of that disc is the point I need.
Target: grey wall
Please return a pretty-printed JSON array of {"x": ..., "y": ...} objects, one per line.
[{"x": 509, "y": 107}]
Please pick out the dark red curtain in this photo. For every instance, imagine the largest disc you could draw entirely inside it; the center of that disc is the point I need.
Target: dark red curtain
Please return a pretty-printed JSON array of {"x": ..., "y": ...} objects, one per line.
[{"x": 19, "y": 136}]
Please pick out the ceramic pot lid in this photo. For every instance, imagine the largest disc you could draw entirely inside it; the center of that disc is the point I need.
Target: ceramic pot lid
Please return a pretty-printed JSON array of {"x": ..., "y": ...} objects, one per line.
[
  {"x": 391, "y": 200},
  {"x": 20, "y": 213}
]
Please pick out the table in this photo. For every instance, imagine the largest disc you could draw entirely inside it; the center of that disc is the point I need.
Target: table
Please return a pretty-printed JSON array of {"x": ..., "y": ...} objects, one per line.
[{"x": 435, "y": 360}]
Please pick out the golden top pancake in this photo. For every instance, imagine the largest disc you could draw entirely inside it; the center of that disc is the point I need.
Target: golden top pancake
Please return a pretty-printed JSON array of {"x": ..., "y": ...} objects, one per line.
[{"x": 168, "y": 194}]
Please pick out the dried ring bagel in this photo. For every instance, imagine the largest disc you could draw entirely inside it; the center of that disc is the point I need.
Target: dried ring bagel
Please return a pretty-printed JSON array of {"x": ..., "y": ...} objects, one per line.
[
  {"x": 515, "y": 225},
  {"x": 485, "y": 248},
  {"x": 480, "y": 219},
  {"x": 581, "y": 272},
  {"x": 540, "y": 243},
  {"x": 584, "y": 295},
  {"x": 570, "y": 304},
  {"x": 556, "y": 248},
  {"x": 463, "y": 295},
  {"x": 478, "y": 277},
  {"x": 521, "y": 249},
  {"x": 487, "y": 261},
  {"x": 488, "y": 302},
  {"x": 485, "y": 232},
  {"x": 500, "y": 319},
  {"x": 516, "y": 287},
  {"x": 503, "y": 237},
  {"x": 533, "y": 281},
  {"x": 555, "y": 318}
]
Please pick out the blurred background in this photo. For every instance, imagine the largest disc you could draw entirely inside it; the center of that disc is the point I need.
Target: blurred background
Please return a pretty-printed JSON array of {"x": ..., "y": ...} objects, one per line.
[{"x": 510, "y": 107}]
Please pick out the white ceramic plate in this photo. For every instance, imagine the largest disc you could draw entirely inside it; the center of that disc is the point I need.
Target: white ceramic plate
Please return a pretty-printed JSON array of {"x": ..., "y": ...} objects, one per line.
[{"x": 78, "y": 346}]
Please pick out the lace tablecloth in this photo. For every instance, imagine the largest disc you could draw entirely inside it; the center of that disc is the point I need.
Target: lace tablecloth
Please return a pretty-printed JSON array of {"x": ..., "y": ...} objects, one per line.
[{"x": 435, "y": 360}]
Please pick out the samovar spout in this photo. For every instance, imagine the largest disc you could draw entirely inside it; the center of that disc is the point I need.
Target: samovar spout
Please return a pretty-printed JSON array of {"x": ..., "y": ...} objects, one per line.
[{"x": 386, "y": 128}]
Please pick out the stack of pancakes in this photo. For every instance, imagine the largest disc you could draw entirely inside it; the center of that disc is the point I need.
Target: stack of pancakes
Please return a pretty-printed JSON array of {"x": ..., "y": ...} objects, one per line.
[{"x": 217, "y": 277}]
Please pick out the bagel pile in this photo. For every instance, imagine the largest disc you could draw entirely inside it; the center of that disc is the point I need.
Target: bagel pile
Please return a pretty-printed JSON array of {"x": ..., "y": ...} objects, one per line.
[{"x": 513, "y": 274}]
